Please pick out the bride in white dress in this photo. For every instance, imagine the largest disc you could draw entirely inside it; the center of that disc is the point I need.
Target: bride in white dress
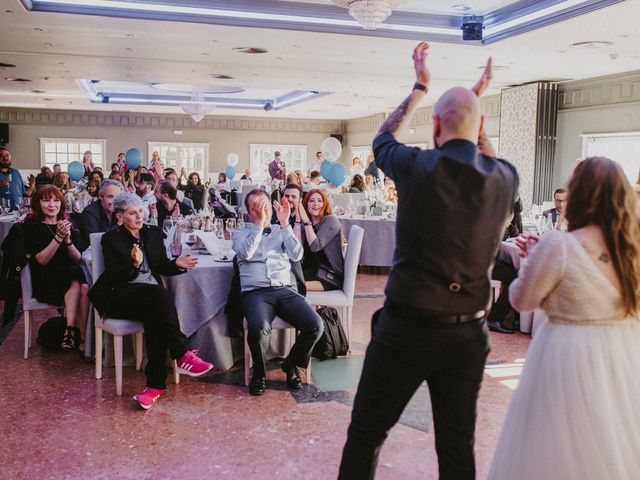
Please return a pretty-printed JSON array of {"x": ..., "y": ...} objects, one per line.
[{"x": 576, "y": 411}]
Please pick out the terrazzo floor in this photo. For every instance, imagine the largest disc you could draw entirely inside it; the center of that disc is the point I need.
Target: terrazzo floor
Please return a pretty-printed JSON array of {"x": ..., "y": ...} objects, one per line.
[{"x": 57, "y": 421}]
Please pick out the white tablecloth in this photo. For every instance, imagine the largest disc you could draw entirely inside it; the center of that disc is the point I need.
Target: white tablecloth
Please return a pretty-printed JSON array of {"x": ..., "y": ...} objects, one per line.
[{"x": 379, "y": 239}]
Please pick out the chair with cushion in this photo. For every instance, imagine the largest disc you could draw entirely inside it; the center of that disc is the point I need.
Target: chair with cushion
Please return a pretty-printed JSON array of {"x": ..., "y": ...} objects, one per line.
[
  {"x": 30, "y": 304},
  {"x": 116, "y": 327},
  {"x": 343, "y": 298},
  {"x": 278, "y": 324}
]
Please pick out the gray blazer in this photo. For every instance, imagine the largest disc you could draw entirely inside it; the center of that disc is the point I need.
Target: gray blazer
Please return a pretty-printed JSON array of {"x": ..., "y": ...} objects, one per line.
[{"x": 329, "y": 239}]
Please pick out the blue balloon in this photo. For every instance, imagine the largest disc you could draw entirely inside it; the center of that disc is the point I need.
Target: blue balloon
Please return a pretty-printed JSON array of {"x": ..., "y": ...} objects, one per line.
[
  {"x": 325, "y": 170},
  {"x": 230, "y": 172},
  {"x": 133, "y": 158},
  {"x": 75, "y": 171},
  {"x": 338, "y": 174}
]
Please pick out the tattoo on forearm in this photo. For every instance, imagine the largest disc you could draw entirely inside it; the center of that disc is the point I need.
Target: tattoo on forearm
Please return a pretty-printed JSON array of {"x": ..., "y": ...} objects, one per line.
[{"x": 395, "y": 120}]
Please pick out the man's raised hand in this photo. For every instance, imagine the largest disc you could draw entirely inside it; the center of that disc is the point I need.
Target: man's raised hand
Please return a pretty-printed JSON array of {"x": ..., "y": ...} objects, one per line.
[
  {"x": 483, "y": 83},
  {"x": 420, "y": 53}
]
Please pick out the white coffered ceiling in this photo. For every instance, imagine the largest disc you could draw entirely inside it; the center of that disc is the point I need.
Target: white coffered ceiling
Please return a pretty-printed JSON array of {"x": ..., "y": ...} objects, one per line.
[{"x": 367, "y": 74}]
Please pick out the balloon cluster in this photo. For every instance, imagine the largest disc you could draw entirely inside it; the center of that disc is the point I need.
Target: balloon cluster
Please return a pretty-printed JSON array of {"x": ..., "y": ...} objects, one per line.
[
  {"x": 133, "y": 158},
  {"x": 75, "y": 171},
  {"x": 331, "y": 170},
  {"x": 232, "y": 161}
]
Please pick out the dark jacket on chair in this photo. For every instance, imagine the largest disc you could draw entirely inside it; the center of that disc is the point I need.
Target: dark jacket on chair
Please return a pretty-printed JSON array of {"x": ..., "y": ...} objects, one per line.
[
  {"x": 119, "y": 269},
  {"x": 14, "y": 258},
  {"x": 93, "y": 219}
]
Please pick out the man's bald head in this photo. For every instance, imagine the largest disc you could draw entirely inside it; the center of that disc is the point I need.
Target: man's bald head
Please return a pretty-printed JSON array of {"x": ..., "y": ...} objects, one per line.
[{"x": 457, "y": 116}]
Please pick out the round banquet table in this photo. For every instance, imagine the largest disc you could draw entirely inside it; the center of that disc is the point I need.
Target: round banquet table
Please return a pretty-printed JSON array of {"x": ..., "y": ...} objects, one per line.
[{"x": 379, "y": 239}]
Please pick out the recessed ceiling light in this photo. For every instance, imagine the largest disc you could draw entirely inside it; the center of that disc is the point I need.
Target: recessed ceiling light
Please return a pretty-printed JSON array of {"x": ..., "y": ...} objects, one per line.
[
  {"x": 48, "y": 100},
  {"x": 9, "y": 11},
  {"x": 129, "y": 49},
  {"x": 49, "y": 44},
  {"x": 16, "y": 79},
  {"x": 497, "y": 68},
  {"x": 36, "y": 91},
  {"x": 461, "y": 8},
  {"x": 129, "y": 67},
  {"x": 7, "y": 65},
  {"x": 252, "y": 50},
  {"x": 205, "y": 54},
  {"x": 130, "y": 35},
  {"x": 40, "y": 29},
  {"x": 592, "y": 44},
  {"x": 220, "y": 76},
  {"x": 61, "y": 63}
]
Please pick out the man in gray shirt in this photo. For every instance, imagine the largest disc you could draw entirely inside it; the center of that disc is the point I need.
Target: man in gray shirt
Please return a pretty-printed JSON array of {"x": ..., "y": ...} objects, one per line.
[{"x": 267, "y": 291}]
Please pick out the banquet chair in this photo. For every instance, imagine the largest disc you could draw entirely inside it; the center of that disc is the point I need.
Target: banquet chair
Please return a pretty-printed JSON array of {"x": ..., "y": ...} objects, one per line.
[
  {"x": 115, "y": 326},
  {"x": 277, "y": 324},
  {"x": 343, "y": 298},
  {"x": 496, "y": 286},
  {"x": 30, "y": 304}
]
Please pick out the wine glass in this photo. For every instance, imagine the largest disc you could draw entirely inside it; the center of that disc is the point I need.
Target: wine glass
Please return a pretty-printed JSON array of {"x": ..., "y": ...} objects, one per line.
[
  {"x": 240, "y": 223},
  {"x": 218, "y": 228},
  {"x": 231, "y": 225},
  {"x": 166, "y": 225}
]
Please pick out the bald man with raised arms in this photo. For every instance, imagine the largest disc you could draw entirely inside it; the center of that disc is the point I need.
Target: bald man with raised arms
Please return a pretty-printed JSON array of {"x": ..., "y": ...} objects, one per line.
[{"x": 454, "y": 202}]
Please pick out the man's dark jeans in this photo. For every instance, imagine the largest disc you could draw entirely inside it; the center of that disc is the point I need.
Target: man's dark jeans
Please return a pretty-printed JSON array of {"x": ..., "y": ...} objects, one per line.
[
  {"x": 405, "y": 351},
  {"x": 261, "y": 306}
]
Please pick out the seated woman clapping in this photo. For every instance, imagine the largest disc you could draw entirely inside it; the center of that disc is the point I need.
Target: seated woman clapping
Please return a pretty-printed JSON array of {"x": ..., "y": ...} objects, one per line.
[
  {"x": 131, "y": 287},
  {"x": 56, "y": 276},
  {"x": 321, "y": 235}
]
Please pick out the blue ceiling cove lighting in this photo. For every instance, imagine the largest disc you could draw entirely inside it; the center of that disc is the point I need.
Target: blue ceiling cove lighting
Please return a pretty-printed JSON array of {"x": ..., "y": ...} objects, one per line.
[
  {"x": 517, "y": 17},
  {"x": 192, "y": 98}
]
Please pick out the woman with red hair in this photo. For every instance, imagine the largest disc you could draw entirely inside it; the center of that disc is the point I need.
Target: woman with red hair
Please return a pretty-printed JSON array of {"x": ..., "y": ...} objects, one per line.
[
  {"x": 320, "y": 233},
  {"x": 56, "y": 275}
]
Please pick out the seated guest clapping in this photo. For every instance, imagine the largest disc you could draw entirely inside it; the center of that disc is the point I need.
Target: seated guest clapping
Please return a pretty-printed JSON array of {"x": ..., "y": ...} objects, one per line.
[
  {"x": 131, "y": 287},
  {"x": 321, "y": 235},
  {"x": 263, "y": 254},
  {"x": 145, "y": 188},
  {"x": 168, "y": 204},
  {"x": 98, "y": 216},
  {"x": 56, "y": 276}
]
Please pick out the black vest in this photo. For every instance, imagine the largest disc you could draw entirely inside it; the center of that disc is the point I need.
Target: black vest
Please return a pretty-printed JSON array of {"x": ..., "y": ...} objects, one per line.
[{"x": 452, "y": 211}]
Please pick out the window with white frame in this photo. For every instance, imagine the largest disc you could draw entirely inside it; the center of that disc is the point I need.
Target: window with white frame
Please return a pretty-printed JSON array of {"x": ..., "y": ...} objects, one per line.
[
  {"x": 362, "y": 153},
  {"x": 193, "y": 157},
  {"x": 623, "y": 148},
  {"x": 63, "y": 151},
  {"x": 294, "y": 157}
]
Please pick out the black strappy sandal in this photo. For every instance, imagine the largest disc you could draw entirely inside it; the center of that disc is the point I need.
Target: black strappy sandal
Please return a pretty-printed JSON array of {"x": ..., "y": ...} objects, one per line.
[{"x": 69, "y": 339}]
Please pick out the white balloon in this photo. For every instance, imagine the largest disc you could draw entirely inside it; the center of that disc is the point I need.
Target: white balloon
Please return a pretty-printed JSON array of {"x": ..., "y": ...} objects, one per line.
[
  {"x": 233, "y": 159},
  {"x": 331, "y": 148}
]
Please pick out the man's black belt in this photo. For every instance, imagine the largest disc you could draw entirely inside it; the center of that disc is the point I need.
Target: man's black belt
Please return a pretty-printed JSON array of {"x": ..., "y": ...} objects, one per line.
[{"x": 420, "y": 315}]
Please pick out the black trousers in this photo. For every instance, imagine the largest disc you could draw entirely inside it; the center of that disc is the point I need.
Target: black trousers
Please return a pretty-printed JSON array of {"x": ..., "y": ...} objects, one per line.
[
  {"x": 506, "y": 273},
  {"x": 152, "y": 305},
  {"x": 261, "y": 306},
  {"x": 402, "y": 354}
]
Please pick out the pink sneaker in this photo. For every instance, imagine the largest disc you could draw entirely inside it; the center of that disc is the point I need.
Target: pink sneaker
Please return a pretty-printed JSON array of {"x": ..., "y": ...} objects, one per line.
[
  {"x": 190, "y": 364},
  {"x": 148, "y": 397}
]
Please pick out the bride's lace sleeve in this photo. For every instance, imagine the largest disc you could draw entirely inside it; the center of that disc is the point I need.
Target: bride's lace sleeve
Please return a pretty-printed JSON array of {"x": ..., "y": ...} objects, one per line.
[{"x": 540, "y": 273}]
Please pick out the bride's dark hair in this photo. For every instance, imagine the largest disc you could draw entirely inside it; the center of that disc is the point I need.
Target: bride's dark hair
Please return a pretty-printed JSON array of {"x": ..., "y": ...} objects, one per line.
[{"x": 601, "y": 195}]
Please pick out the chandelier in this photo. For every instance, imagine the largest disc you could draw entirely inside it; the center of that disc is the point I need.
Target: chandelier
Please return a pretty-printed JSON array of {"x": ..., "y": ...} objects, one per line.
[
  {"x": 370, "y": 13},
  {"x": 197, "y": 107}
]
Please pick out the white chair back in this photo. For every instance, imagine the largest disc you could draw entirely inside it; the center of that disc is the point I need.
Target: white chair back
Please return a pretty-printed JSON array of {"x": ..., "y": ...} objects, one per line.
[
  {"x": 351, "y": 260},
  {"x": 97, "y": 260},
  {"x": 25, "y": 282}
]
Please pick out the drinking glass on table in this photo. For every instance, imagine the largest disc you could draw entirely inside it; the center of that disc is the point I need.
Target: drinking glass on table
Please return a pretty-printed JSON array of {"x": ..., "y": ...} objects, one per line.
[
  {"x": 230, "y": 223},
  {"x": 166, "y": 225},
  {"x": 240, "y": 223},
  {"x": 218, "y": 228}
]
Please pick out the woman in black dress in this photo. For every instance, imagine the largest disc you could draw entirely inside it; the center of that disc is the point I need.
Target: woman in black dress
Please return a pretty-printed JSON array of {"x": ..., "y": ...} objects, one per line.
[
  {"x": 56, "y": 276},
  {"x": 194, "y": 190}
]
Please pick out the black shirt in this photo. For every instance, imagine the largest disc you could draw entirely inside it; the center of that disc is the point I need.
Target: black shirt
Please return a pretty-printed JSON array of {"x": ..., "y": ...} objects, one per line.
[
  {"x": 452, "y": 211},
  {"x": 164, "y": 213}
]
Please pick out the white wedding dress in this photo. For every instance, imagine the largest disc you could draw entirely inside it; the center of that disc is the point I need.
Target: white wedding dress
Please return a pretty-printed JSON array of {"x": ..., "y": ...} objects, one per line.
[{"x": 576, "y": 411}]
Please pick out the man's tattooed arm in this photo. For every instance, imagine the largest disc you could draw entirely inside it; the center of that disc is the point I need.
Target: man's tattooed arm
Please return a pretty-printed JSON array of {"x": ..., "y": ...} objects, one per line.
[{"x": 398, "y": 120}]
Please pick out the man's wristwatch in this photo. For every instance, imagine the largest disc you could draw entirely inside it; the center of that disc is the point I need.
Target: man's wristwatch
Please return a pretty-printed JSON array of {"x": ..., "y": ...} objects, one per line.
[{"x": 419, "y": 86}]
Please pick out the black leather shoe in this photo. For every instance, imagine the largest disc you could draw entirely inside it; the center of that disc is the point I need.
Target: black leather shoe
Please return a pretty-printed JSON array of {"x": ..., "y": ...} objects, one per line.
[
  {"x": 257, "y": 385},
  {"x": 293, "y": 379},
  {"x": 496, "y": 326}
]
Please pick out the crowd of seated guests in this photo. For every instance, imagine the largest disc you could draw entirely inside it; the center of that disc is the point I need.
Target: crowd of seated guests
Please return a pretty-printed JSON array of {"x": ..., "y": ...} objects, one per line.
[
  {"x": 194, "y": 190},
  {"x": 98, "y": 216},
  {"x": 167, "y": 204}
]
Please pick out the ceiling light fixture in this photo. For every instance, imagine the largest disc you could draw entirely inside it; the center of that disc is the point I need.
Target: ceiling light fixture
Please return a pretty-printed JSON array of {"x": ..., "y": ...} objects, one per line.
[
  {"x": 16, "y": 79},
  {"x": 370, "y": 13},
  {"x": 591, "y": 44},
  {"x": 250, "y": 50},
  {"x": 197, "y": 109},
  {"x": 461, "y": 8}
]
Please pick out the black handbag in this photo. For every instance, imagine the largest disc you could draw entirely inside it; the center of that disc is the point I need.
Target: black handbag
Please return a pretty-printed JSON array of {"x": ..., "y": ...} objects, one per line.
[{"x": 330, "y": 277}]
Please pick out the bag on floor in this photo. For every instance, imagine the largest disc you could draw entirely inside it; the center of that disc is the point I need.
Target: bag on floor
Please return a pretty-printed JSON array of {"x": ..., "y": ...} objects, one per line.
[
  {"x": 51, "y": 332},
  {"x": 333, "y": 341}
]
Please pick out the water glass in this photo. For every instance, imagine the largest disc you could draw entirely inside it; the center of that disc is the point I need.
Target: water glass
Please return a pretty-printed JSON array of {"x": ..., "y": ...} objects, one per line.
[
  {"x": 176, "y": 250},
  {"x": 240, "y": 223},
  {"x": 231, "y": 225},
  {"x": 166, "y": 225}
]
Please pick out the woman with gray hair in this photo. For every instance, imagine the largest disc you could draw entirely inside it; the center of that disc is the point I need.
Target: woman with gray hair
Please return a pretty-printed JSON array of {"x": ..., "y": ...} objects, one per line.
[{"x": 131, "y": 287}]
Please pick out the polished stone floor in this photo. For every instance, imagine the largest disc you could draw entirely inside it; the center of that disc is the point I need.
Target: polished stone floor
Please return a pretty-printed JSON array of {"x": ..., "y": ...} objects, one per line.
[{"x": 58, "y": 421}]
